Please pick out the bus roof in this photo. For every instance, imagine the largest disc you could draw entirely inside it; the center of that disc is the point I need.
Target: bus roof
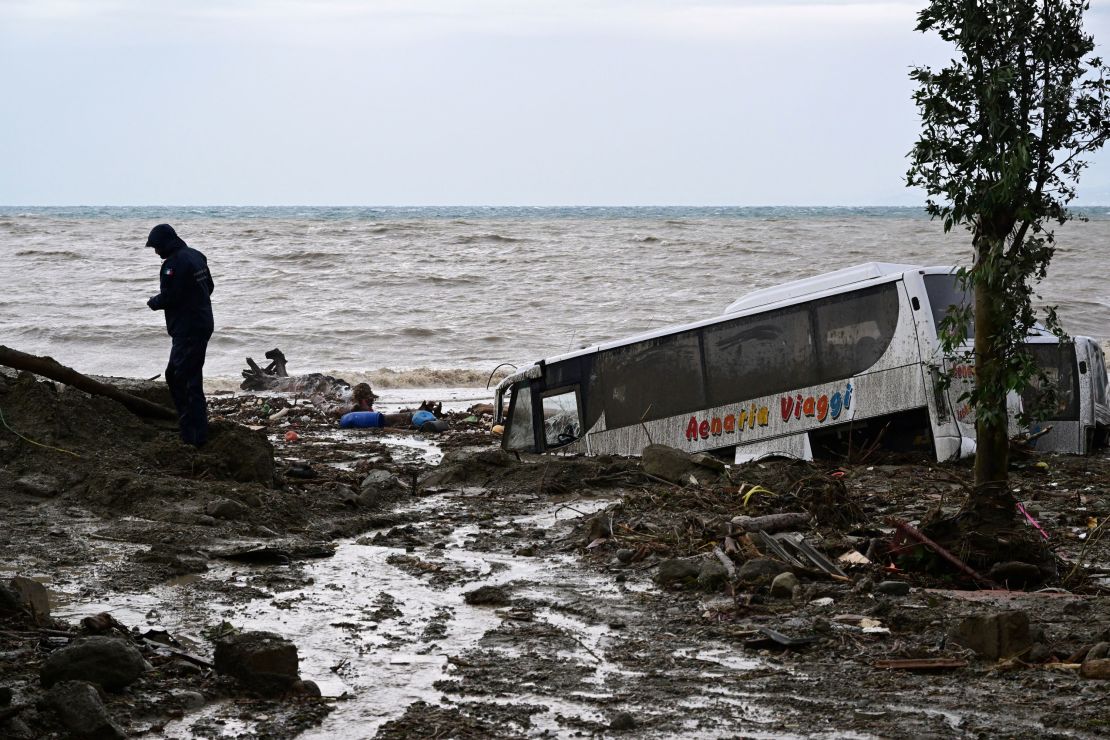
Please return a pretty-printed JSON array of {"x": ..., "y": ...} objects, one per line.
[
  {"x": 817, "y": 283},
  {"x": 794, "y": 291}
]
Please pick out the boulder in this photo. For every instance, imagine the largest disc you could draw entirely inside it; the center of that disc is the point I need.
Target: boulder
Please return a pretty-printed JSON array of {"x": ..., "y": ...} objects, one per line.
[
  {"x": 761, "y": 569},
  {"x": 1099, "y": 651},
  {"x": 712, "y": 575},
  {"x": 38, "y": 485},
  {"x": 225, "y": 508},
  {"x": 994, "y": 636},
  {"x": 893, "y": 588},
  {"x": 782, "y": 587},
  {"x": 33, "y": 596},
  {"x": 1015, "y": 574},
  {"x": 487, "y": 596},
  {"x": 677, "y": 466},
  {"x": 622, "y": 722},
  {"x": 111, "y": 662},
  {"x": 78, "y": 706},
  {"x": 262, "y": 661},
  {"x": 678, "y": 572}
]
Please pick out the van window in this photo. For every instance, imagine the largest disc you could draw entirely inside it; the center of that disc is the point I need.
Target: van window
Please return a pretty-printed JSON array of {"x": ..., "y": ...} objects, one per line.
[
  {"x": 945, "y": 291},
  {"x": 652, "y": 379},
  {"x": 759, "y": 355},
  {"x": 854, "y": 330},
  {"x": 521, "y": 436},
  {"x": 561, "y": 421}
]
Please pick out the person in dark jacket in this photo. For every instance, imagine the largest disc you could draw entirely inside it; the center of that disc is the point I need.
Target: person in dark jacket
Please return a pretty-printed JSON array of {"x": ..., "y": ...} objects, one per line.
[{"x": 185, "y": 286}]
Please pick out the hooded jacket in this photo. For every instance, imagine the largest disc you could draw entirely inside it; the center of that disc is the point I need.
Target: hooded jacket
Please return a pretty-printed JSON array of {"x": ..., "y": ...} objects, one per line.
[{"x": 185, "y": 287}]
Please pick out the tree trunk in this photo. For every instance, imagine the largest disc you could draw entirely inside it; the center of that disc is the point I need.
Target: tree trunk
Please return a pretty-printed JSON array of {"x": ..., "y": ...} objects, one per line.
[
  {"x": 48, "y": 367},
  {"x": 990, "y": 501}
]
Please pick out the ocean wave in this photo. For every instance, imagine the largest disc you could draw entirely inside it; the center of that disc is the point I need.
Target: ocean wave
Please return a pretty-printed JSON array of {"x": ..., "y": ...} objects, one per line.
[
  {"x": 455, "y": 280},
  {"x": 426, "y": 377},
  {"x": 387, "y": 379},
  {"x": 422, "y": 331},
  {"x": 487, "y": 238},
  {"x": 52, "y": 253}
]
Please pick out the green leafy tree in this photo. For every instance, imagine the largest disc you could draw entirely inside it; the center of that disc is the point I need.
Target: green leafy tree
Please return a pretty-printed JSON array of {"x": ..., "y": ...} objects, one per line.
[{"x": 1006, "y": 126}]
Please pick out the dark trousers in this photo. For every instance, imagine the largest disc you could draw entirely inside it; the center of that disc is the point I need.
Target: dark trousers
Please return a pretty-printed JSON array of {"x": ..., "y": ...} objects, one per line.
[{"x": 184, "y": 375}]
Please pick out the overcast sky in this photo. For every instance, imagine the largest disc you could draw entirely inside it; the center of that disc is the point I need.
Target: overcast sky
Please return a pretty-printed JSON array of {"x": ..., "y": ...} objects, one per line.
[{"x": 465, "y": 102}]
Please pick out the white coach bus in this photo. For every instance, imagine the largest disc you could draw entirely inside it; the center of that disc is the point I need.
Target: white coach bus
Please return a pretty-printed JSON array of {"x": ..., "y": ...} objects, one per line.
[{"x": 812, "y": 366}]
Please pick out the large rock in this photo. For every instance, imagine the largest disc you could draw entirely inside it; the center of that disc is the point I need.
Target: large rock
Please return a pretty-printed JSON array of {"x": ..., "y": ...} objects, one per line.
[
  {"x": 111, "y": 662},
  {"x": 677, "y": 466},
  {"x": 713, "y": 575},
  {"x": 759, "y": 570},
  {"x": 678, "y": 572},
  {"x": 994, "y": 636},
  {"x": 1016, "y": 574},
  {"x": 38, "y": 485},
  {"x": 225, "y": 508},
  {"x": 783, "y": 585},
  {"x": 34, "y": 597},
  {"x": 262, "y": 661},
  {"x": 77, "y": 705}
]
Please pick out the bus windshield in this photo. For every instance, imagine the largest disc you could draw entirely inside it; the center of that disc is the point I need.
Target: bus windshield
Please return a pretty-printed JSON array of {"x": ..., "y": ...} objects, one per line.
[{"x": 944, "y": 292}]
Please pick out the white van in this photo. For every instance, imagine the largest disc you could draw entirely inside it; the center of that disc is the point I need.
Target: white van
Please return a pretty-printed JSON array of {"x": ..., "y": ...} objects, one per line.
[{"x": 821, "y": 364}]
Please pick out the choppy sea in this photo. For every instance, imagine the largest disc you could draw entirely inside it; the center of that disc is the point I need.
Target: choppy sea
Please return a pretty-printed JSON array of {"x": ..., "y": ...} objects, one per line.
[{"x": 432, "y": 297}]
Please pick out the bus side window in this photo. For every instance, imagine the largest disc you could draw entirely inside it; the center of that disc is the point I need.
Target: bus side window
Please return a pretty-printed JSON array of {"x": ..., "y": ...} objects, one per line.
[
  {"x": 520, "y": 436},
  {"x": 561, "y": 422},
  {"x": 854, "y": 330}
]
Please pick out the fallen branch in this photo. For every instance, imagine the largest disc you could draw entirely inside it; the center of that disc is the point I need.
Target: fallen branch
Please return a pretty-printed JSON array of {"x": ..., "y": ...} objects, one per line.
[
  {"x": 48, "y": 367},
  {"x": 960, "y": 565}
]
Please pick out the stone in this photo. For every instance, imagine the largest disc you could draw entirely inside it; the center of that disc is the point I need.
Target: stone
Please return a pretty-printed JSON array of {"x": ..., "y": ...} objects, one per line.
[
  {"x": 708, "y": 461},
  {"x": 377, "y": 479},
  {"x": 712, "y": 576},
  {"x": 678, "y": 572},
  {"x": 761, "y": 569},
  {"x": 307, "y": 688},
  {"x": 1039, "y": 653},
  {"x": 893, "y": 588},
  {"x": 1095, "y": 669},
  {"x": 625, "y": 555},
  {"x": 225, "y": 508},
  {"x": 189, "y": 699},
  {"x": 1099, "y": 651},
  {"x": 784, "y": 584},
  {"x": 38, "y": 485},
  {"x": 252, "y": 500},
  {"x": 109, "y": 661},
  {"x": 262, "y": 661},
  {"x": 675, "y": 466},
  {"x": 1015, "y": 574},
  {"x": 622, "y": 721},
  {"x": 34, "y": 597},
  {"x": 78, "y": 706},
  {"x": 487, "y": 596},
  {"x": 994, "y": 636}
]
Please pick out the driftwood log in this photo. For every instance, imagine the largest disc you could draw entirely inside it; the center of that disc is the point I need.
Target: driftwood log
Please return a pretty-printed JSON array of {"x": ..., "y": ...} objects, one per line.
[{"x": 48, "y": 367}]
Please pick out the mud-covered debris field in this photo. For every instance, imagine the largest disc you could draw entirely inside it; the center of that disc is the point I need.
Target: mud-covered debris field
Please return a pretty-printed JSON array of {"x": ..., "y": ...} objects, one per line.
[{"x": 295, "y": 579}]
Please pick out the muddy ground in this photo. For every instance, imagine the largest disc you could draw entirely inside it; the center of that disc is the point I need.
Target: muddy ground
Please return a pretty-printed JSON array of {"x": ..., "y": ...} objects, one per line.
[{"x": 436, "y": 586}]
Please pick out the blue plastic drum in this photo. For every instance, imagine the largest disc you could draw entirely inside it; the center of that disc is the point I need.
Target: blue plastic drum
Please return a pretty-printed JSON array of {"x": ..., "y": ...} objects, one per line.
[{"x": 362, "y": 419}]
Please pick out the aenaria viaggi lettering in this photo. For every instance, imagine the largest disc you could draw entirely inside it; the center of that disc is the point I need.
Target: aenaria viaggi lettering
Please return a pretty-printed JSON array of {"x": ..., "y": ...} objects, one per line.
[{"x": 793, "y": 408}]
